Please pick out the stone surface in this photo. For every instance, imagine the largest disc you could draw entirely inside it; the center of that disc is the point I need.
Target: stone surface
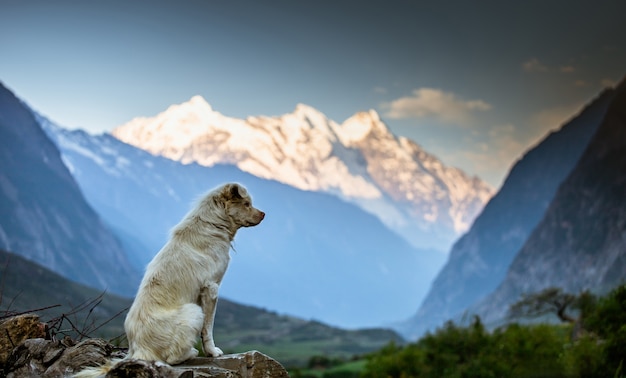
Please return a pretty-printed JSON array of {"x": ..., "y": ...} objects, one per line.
[
  {"x": 60, "y": 358},
  {"x": 252, "y": 364},
  {"x": 16, "y": 329},
  {"x": 48, "y": 358}
]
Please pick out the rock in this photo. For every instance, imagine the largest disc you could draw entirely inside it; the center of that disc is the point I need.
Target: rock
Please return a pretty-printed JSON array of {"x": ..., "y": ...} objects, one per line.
[
  {"x": 253, "y": 364},
  {"x": 48, "y": 358},
  {"x": 145, "y": 369},
  {"x": 16, "y": 329}
]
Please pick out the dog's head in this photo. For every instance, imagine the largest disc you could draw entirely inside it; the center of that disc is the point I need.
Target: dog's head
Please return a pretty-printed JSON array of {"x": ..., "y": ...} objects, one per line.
[{"x": 236, "y": 204}]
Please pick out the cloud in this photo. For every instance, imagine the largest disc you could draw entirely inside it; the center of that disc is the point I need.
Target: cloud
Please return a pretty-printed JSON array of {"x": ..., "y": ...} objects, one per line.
[
  {"x": 507, "y": 143},
  {"x": 534, "y": 65},
  {"x": 493, "y": 152},
  {"x": 608, "y": 83},
  {"x": 489, "y": 154},
  {"x": 552, "y": 118},
  {"x": 492, "y": 155},
  {"x": 380, "y": 90},
  {"x": 429, "y": 102}
]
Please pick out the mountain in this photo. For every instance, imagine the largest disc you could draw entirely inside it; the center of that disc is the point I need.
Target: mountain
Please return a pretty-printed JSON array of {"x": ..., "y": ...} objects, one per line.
[
  {"x": 479, "y": 260},
  {"x": 313, "y": 256},
  {"x": 43, "y": 214},
  {"x": 28, "y": 286},
  {"x": 359, "y": 161},
  {"x": 580, "y": 244}
]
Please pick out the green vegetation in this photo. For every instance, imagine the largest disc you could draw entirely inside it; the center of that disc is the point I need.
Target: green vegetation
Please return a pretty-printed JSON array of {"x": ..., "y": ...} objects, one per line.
[
  {"x": 326, "y": 367},
  {"x": 289, "y": 340},
  {"x": 598, "y": 349}
]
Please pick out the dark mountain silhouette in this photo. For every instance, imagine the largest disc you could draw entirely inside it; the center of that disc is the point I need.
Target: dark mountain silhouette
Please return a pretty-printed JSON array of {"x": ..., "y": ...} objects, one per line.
[
  {"x": 479, "y": 260},
  {"x": 580, "y": 244},
  {"x": 43, "y": 214}
]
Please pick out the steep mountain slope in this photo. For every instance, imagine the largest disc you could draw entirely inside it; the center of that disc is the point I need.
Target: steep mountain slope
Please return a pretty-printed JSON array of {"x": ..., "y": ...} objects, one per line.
[
  {"x": 479, "y": 260},
  {"x": 28, "y": 286},
  {"x": 314, "y": 256},
  {"x": 44, "y": 216},
  {"x": 238, "y": 328},
  {"x": 360, "y": 161},
  {"x": 580, "y": 243}
]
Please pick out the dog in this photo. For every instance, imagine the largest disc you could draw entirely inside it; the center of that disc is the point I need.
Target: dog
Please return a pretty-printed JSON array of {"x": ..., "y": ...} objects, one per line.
[{"x": 177, "y": 296}]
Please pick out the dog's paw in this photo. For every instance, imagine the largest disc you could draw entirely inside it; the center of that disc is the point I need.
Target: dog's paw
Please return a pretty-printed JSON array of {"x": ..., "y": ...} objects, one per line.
[{"x": 214, "y": 351}]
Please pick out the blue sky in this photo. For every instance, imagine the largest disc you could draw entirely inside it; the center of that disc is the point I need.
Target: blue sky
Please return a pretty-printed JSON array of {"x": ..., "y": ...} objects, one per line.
[{"x": 475, "y": 83}]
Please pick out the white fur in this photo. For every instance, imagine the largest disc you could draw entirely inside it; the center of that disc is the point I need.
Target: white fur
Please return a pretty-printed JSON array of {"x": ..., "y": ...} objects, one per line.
[{"x": 178, "y": 294}]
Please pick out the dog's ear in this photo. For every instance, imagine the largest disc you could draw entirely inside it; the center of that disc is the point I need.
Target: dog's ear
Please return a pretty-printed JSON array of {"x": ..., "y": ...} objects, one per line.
[
  {"x": 235, "y": 192},
  {"x": 232, "y": 191}
]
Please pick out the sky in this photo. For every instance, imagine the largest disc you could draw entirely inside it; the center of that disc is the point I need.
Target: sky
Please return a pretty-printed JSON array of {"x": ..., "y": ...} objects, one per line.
[{"x": 477, "y": 83}]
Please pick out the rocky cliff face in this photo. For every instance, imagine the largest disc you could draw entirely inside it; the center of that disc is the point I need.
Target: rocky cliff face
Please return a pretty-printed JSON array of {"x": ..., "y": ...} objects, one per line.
[
  {"x": 479, "y": 260},
  {"x": 360, "y": 161},
  {"x": 580, "y": 244},
  {"x": 43, "y": 215}
]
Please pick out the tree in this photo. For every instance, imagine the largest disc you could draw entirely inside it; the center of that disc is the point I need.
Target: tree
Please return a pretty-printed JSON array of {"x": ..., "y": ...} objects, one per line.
[{"x": 548, "y": 301}]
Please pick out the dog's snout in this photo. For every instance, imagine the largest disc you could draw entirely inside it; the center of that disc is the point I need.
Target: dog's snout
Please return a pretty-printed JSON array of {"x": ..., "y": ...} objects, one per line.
[{"x": 261, "y": 214}]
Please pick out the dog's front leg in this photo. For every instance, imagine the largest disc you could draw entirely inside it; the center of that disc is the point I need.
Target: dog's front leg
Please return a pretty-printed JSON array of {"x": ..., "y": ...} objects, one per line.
[{"x": 208, "y": 298}]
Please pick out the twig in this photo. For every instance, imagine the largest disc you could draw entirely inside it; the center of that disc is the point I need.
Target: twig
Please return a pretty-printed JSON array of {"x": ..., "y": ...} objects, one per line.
[
  {"x": 110, "y": 319},
  {"x": 9, "y": 337},
  {"x": 10, "y": 314},
  {"x": 88, "y": 325}
]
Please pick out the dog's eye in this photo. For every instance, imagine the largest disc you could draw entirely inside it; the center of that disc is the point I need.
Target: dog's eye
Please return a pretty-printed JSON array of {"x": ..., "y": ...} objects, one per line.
[{"x": 246, "y": 204}]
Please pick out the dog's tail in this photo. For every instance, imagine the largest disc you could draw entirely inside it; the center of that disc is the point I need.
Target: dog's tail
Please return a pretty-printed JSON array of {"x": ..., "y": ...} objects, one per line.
[{"x": 98, "y": 371}]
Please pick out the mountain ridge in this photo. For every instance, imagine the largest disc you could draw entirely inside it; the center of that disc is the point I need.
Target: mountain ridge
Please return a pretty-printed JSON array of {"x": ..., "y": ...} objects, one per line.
[
  {"x": 479, "y": 260},
  {"x": 360, "y": 161},
  {"x": 582, "y": 232},
  {"x": 43, "y": 214},
  {"x": 314, "y": 253}
]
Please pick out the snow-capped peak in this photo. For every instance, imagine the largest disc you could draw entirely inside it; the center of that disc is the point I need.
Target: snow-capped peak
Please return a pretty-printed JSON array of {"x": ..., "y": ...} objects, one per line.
[
  {"x": 199, "y": 102},
  {"x": 308, "y": 112},
  {"x": 305, "y": 116},
  {"x": 359, "y": 160},
  {"x": 360, "y": 125}
]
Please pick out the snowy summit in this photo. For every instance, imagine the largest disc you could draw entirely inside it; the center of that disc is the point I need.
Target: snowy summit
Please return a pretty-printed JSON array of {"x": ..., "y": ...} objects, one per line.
[{"x": 360, "y": 160}]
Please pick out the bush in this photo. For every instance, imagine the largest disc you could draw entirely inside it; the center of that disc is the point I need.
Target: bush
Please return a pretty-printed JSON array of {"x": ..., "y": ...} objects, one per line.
[
  {"x": 516, "y": 350},
  {"x": 453, "y": 351},
  {"x": 608, "y": 322}
]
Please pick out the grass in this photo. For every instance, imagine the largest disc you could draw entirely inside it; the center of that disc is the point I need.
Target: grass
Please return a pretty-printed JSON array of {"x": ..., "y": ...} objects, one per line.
[{"x": 347, "y": 369}]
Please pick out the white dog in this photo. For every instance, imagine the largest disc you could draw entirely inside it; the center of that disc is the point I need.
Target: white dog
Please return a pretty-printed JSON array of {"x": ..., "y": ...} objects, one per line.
[{"x": 178, "y": 294}]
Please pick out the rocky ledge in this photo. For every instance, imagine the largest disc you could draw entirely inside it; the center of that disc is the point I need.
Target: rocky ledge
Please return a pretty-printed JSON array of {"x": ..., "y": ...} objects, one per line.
[{"x": 26, "y": 352}]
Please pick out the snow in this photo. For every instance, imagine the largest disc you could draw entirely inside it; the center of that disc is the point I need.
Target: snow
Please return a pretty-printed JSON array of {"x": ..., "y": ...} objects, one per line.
[
  {"x": 360, "y": 160},
  {"x": 356, "y": 128}
]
